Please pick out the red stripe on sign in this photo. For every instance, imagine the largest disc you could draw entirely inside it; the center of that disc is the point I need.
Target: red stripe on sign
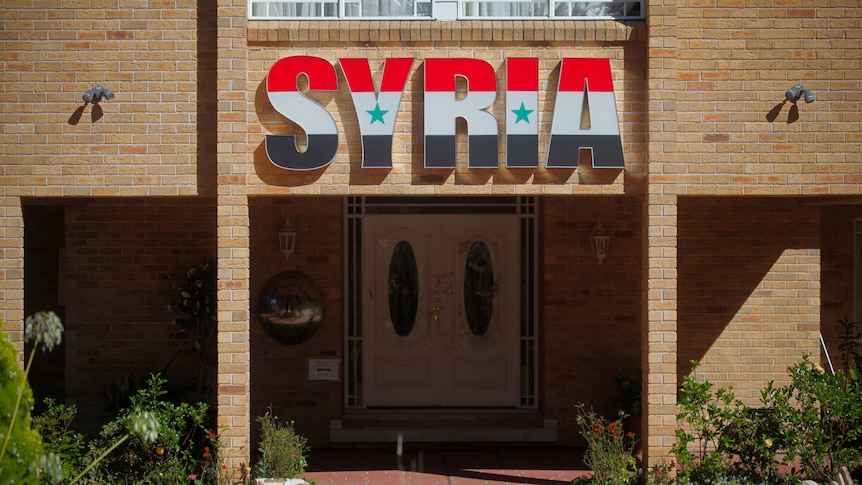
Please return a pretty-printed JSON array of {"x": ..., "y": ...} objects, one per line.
[
  {"x": 522, "y": 74},
  {"x": 395, "y": 72},
  {"x": 440, "y": 74},
  {"x": 574, "y": 73},
  {"x": 282, "y": 75},
  {"x": 358, "y": 75}
]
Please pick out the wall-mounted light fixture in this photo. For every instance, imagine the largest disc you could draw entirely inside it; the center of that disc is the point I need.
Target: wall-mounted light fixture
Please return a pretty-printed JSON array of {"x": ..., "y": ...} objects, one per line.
[
  {"x": 599, "y": 241},
  {"x": 797, "y": 91},
  {"x": 287, "y": 238},
  {"x": 96, "y": 94}
]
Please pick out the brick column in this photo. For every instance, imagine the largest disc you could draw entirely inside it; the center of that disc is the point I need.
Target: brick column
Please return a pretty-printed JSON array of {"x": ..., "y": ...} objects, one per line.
[
  {"x": 234, "y": 376},
  {"x": 659, "y": 330},
  {"x": 234, "y": 371},
  {"x": 12, "y": 270}
]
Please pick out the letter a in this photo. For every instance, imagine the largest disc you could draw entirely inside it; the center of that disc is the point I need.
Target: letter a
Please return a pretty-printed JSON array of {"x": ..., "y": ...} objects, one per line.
[{"x": 585, "y": 82}]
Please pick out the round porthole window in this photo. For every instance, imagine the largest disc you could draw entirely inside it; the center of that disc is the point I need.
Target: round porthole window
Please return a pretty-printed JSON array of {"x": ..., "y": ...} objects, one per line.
[{"x": 290, "y": 307}]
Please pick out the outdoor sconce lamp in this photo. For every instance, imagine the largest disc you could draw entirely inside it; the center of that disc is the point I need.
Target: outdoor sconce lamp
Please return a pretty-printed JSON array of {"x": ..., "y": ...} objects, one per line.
[
  {"x": 94, "y": 95},
  {"x": 599, "y": 240},
  {"x": 287, "y": 238},
  {"x": 797, "y": 91}
]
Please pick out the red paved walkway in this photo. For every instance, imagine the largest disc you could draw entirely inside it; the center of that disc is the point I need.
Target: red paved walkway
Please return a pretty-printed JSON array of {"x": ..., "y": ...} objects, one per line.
[{"x": 441, "y": 466}]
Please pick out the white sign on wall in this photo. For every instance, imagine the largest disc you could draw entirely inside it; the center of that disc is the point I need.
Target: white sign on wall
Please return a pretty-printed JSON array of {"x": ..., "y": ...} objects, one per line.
[{"x": 323, "y": 369}]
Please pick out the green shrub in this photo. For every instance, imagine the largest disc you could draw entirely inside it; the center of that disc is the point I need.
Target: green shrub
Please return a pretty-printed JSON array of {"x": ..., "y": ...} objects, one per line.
[
  {"x": 182, "y": 445},
  {"x": 704, "y": 414},
  {"x": 21, "y": 445},
  {"x": 282, "y": 450},
  {"x": 609, "y": 448},
  {"x": 54, "y": 427},
  {"x": 851, "y": 347},
  {"x": 22, "y": 458},
  {"x": 813, "y": 423},
  {"x": 821, "y": 419}
]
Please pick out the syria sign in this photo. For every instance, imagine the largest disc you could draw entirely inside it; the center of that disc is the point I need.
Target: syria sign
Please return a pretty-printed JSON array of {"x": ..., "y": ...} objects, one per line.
[{"x": 584, "y": 82}]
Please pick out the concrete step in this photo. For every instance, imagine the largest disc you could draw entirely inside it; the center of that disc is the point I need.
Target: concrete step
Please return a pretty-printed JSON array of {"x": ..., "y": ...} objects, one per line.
[{"x": 442, "y": 425}]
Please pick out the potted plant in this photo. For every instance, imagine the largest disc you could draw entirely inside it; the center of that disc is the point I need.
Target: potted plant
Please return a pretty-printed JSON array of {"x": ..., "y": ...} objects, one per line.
[{"x": 282, "y": 452}]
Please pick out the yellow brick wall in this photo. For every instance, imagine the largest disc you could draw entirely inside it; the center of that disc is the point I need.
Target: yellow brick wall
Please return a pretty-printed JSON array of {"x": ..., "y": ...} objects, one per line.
[
  {"x": 590, "y": 312},
  {"x": 735, "y": 62},
  {"x": 749, "y": 297},
  {"x": 146, "y": 141},
  {"x": 125, "y": 260},
  {"x": 699, "y": 89}
]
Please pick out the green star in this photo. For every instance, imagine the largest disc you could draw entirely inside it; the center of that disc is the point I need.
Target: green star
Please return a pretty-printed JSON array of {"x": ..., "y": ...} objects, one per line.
[
  {"x": 377, "y": 114},
  {"x": 522, "y": 114}
]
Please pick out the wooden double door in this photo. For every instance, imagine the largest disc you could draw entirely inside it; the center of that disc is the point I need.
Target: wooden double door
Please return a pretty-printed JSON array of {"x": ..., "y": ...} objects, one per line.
[{"x": 440, "y": 310}]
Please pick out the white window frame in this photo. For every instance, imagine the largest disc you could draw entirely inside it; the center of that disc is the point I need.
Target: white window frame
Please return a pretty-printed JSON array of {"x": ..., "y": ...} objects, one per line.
[
  {"x": 342, "y": 8},
  {"x": 443, "y": 10}
]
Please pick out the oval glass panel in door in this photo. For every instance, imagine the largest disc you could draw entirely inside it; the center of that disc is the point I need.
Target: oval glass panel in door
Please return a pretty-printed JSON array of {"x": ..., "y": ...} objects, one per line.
[
  {"x": 478, "y": 288},
  {"x": 403, "y": 288}
]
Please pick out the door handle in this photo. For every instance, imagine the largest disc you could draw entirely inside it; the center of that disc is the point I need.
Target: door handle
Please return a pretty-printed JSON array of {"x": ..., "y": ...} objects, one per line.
[{"x": 436, "y": 313}]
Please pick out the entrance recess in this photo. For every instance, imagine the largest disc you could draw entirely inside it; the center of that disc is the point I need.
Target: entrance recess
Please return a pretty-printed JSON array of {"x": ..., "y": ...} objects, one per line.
[
  {"x": 440, "y": 321},
  {"x": 441, "y": 310}
]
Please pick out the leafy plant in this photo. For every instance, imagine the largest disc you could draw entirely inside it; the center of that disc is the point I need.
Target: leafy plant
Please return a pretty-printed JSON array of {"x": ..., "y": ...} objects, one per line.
[
  {"x": 851, "y": 347},
  {"x": 22, "y": 447},
  {"x": 814, "y": 422},
  {"x": 53, "y": 425},
  {"x": 821, "y": 419},
  {"x": 282, "y": 451},
  {"x": 705, "y": 413},
  {"x": 22, "y": 457},
  {"x": 142, "y": 425},
  {"x": 118, "y": 395},
  {"x": 212, "y": 469},
  {"x": 662, "y": 473},
  {"x": 752, "y": 443},
  {"x": 181, "y": 444},
  {"x": 609, "y": 448}
]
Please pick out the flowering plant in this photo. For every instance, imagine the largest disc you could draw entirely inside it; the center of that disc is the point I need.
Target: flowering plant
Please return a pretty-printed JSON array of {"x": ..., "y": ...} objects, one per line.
[
  {"x": 282, "y": 450},
  {"x": 212, "y": 466},
  {"x": 195, "y": 312},
  {"x": 196, "y": 308},
  {"x": 662, "y": 473},
  {"x": 609, "y": 448}
]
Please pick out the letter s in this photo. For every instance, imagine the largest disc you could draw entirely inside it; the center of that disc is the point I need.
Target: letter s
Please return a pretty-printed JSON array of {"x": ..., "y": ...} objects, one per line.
[{"x": 313, "y": 118}]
